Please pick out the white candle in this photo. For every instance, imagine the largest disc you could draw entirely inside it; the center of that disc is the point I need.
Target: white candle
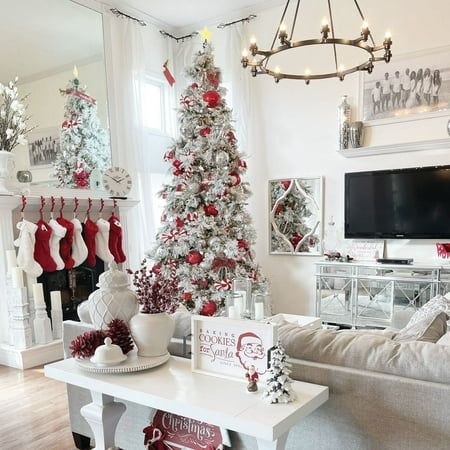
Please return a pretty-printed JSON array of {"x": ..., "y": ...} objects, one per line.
[
  {"x": 17, "y": 277},
  {"x": 38, "y": 295},
  {"x": 259, "y": 311},
  {"x": 55, "y": 298},
  {"x": 11, "y": 259},
  {"x": 233, "y": 313},
  {"x": 239, "y": 305}
]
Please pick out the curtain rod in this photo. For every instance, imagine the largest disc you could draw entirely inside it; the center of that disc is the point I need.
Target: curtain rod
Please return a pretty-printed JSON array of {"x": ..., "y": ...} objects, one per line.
[
  {"x": 118, "y": 13},
  {"x": 181, "y": 38},
  {"x": 244, "y": 19}
]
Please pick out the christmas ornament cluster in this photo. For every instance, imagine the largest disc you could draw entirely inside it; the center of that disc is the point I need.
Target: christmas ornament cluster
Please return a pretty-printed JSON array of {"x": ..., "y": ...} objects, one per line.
[
  {"x": 206, "y": 236},
  {"x": 61, "y": 243},
  {"x": 84, "y": 143}
]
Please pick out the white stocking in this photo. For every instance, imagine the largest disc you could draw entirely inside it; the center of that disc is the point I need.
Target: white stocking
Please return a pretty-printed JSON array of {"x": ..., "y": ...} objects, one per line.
[
  {"x": 25, "y": 242},
  {"x": 58, "y": 232},
  {"x": 79, "y": 248},
  {"x": 102, "y": 241}
]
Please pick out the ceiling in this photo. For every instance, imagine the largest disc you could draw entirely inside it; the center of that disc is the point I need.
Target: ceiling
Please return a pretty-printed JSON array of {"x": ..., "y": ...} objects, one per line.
[
  {"x": 181, "y": 13},
  {"x": 40, "y": 37}
]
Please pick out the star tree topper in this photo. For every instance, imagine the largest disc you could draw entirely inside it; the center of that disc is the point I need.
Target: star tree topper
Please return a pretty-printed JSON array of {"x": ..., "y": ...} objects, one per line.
[{"x": 205, "y": 34}]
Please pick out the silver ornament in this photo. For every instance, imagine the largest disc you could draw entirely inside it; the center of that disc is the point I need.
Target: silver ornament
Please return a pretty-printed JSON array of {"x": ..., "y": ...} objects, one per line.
[
  {"x": 193, "y": 187},
  {"x": 222, "y": 158}
]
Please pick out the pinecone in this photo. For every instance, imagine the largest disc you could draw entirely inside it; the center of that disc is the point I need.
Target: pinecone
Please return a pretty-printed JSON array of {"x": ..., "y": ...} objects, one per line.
[
  {"x": 120, "y": 335},
  {"x": 84, "y": 346}
]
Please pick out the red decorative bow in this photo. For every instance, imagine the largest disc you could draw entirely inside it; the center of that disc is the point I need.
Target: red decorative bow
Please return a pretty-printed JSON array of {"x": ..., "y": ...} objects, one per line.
[{"x": 219, "y": 262}]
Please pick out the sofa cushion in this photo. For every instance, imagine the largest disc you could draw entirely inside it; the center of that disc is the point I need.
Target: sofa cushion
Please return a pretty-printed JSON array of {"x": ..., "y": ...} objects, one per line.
[
  {"x": 417, "y": 360},
  {"x": 429, "y": 329},
  {"x": 433, "y": 307}
]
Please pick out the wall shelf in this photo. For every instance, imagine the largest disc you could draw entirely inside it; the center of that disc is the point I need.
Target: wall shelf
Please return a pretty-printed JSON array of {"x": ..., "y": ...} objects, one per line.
[{"x": 434, "y": 144}]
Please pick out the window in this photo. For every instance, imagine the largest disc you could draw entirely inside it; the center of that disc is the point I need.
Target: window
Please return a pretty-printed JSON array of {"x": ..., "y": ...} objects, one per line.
[{"x": 153, "y": 105}]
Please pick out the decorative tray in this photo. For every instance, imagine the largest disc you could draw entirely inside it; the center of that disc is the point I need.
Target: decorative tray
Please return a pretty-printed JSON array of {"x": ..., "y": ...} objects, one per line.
[{"x": 133, "y": 363}]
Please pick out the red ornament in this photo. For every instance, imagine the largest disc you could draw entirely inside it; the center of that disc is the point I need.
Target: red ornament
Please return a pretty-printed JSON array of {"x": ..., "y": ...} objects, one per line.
[
  {"x": 211, "y": 210},
  {"x": 295, "y": 239},
  {"x": 179, "y": 223},
  {"x": 80, "y": 176},
  {"x": 177, "y": 163},
  {"x": 156, "y": 268},
  {"x": 212, "y": 98},
  {"x": 205, "y": 131},
  {"x": 187, "y": 296},
  {"x": 279, "y": 208},
  {"x": 209, "y": 308},
  {"x": 194, "y": 85},
  {"x": 231, "y": 137},
  {"x": 242, "y": 164},
  {"x": 213, "y": 78},
  {"x": 237, "y": 179},
  {"x": 243, "y": 244},
  {"x": 194, "y": 257},
  {"x": 286, "y": 184},
  {"x": 178, "y": 172},
  {"x": 180, "y": 188}
]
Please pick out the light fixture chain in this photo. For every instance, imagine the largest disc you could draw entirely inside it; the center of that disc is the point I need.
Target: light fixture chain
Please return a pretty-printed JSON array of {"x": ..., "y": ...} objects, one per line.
[
  {"x": 295, "y": 19},
  {"x": 363, "y": 18},
  {"x": 278, "y": 30},
  {"x": 332, "y": 35}
]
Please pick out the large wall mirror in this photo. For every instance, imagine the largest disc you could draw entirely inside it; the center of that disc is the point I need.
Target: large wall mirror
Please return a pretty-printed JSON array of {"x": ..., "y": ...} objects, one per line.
[{"x": 42, "y": 43}]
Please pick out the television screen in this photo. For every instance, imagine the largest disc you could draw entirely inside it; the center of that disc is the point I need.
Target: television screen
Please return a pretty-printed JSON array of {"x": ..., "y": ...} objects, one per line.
[{"x": 404, "y": 203}]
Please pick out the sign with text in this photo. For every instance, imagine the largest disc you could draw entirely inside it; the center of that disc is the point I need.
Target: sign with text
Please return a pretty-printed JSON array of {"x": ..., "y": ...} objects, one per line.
[
  {"x": 366, "y": 250},
  {"x": 228, "y": 347},
  {"x": 179, "y": 432}
]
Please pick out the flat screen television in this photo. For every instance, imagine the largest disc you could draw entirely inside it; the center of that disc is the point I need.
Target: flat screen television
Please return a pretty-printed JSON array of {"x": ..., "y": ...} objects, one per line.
[{"x": 398, "y": 204}]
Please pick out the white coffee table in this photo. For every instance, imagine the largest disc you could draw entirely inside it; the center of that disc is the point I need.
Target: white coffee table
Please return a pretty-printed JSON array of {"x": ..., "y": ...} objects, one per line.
[{"x": 173, "y": 387}]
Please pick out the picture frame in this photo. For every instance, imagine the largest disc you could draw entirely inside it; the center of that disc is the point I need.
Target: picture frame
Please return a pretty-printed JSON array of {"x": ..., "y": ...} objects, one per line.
[
  {"x": 225, "y": 347},
  {"x": 43, "y": 146},
  {"x": 296, "y": 216},
  {"x": 404, "y": 106}
]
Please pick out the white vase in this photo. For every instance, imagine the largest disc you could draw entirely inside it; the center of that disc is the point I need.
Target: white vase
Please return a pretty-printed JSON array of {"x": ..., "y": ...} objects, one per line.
[
  {"x": 6, "y": 158},
  {"x": 152, "y": 333},
  {"x": 113, "y": 299}
]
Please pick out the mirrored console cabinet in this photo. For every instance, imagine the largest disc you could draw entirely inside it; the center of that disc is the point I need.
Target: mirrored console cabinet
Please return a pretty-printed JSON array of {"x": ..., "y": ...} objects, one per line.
[{"x": 375, "y": 295}]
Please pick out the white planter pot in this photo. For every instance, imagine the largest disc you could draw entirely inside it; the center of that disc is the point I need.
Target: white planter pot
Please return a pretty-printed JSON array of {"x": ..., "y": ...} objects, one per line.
[
  {"x": 6, "y": 163},
  {"x": 152, "y": 333}
]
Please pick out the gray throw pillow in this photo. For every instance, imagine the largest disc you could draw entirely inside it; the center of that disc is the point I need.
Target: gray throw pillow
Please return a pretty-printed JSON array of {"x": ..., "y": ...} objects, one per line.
[{"x": 429, "y": 329}]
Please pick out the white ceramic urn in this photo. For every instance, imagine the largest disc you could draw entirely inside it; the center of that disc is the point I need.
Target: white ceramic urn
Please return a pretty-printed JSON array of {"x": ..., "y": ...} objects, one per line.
[
  {"x": 152, "y": 333},
  {"x": 6, "y": 160},
  {"x": 113, "y": 299}
]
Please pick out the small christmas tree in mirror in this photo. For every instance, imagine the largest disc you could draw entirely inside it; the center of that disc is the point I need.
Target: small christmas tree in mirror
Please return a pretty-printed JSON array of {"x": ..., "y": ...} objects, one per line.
[
  {"x": 84, "y": 143},
  {"x": 278, "y": 384}
]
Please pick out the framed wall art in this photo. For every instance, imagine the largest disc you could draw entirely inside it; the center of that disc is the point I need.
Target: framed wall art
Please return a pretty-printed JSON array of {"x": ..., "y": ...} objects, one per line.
[
  {"x": 296, "y": 216},
  {"x": 227, "y": 347},
  {"x": 413, "y": 86},
  {"x": 43, "y": 145}
]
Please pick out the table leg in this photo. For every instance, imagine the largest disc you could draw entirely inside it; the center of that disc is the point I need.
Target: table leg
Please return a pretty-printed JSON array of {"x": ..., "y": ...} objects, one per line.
[
  {"x": 103, "y": 415},
  {"x": 279, "y": 444}
]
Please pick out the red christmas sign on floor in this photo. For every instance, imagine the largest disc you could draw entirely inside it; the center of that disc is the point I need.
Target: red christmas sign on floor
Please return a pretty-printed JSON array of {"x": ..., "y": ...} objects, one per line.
[{"x": 170, "y": 431}]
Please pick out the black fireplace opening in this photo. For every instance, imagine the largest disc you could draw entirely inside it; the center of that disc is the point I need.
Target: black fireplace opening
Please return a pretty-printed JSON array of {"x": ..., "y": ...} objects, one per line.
[{"x": 75, "y": 286}]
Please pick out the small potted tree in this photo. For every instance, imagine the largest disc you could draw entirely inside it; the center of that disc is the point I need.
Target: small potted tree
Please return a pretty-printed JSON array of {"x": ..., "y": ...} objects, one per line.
[
  {"x": 13, "y": 128},
  {"x": 153, "y": 327}
]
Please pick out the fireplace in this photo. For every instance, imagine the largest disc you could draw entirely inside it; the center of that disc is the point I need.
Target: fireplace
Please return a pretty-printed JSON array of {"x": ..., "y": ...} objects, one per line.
[{"x": 75, "y": 286}]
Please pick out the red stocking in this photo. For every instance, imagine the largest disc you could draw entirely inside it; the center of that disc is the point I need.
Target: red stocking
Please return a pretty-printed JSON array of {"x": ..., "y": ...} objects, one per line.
[
  {"x": 115, "y": 240},
  {"x": 65, "y": 245},
  {"x": 90, "y": 229},
  {"x": 42, "y": 247}
]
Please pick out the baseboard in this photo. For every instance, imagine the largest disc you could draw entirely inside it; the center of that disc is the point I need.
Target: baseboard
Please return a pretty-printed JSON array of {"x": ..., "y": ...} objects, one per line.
[{"x": 31, "y": 357}]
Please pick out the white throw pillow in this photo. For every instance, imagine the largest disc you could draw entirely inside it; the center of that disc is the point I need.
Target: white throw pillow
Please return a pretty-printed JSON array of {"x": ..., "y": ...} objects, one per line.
[
  {"x": 444, "y": 340},
  {"x": 431, "y": 309}
]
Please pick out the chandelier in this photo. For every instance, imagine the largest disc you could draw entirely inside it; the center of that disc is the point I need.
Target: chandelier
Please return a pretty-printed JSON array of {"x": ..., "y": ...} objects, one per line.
[{"x": 365, "y": 41}]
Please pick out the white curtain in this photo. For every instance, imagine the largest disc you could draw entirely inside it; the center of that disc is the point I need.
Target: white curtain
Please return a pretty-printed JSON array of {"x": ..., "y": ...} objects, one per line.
[{"x": 138, "y": 52}]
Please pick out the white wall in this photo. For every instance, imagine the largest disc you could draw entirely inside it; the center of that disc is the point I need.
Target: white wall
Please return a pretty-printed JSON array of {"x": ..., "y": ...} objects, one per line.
[{"x": 295, "y": 130}]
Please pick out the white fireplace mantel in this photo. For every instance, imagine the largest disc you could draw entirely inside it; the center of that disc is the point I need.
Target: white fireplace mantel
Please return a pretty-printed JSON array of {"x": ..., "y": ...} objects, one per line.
[{"x": 9, "y": 216}]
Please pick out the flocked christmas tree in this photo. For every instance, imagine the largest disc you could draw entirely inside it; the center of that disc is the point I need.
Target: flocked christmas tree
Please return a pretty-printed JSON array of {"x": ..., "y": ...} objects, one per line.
[
  {"x": 206, "y": 236},
  {"x": 278, "y": 383},
  {"x": 84, "y": 143}
]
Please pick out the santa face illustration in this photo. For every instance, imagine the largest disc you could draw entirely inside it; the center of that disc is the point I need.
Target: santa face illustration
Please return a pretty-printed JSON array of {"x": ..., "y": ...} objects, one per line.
[{"x": 250, "y": 352}]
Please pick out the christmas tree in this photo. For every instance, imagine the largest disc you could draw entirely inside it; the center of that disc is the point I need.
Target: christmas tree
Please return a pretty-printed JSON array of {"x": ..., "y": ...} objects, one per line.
[
  {"x": 278, "y": 383},
  {"x": 84, "y": 143},
  {"x": 206, "y": 236},
  {"x": 290, "y": 212}
]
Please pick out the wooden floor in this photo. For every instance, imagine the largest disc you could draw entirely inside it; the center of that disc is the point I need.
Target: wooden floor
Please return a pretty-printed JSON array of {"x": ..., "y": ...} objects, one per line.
[{"x": 33, "y": 411}]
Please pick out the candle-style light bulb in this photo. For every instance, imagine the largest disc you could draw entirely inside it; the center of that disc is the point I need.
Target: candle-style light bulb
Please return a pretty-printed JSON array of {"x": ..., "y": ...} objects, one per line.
[
  {"x": 341, "y": 72},
  {"x": 282, "y": 27},
  {"x": 277, "y": 70},
  {"x": 365, "y": 25},
  {"x": 325, "y": 29},
  {"x": 388, "y": 35},
  {"x": 75, "y": 72},
  {"x": 324, "y": 22},
  {"x": 307, "y": 71},
  {"x": 253, "y": 40},
  {"x": 244, "y": 53}
]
